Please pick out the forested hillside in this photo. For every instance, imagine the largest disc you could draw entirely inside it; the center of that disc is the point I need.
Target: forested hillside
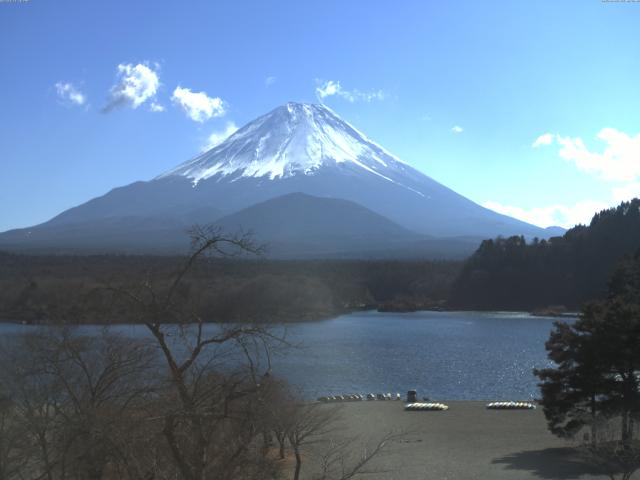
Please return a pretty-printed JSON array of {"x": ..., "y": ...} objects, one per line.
[
  {"x": 76, "y": 289},
  {"x": 510, "y": 273}
]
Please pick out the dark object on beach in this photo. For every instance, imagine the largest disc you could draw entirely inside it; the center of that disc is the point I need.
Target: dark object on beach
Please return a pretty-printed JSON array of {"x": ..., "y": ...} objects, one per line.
[{"x": 412, "y": 396}]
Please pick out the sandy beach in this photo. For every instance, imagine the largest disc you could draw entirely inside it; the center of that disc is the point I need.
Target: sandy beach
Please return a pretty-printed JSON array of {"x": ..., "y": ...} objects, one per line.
[{"x": 465, "y": 442}]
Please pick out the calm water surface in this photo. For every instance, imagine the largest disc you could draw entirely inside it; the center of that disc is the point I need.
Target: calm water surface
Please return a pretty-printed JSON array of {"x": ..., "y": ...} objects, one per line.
[{"x": 443, "y": 355}]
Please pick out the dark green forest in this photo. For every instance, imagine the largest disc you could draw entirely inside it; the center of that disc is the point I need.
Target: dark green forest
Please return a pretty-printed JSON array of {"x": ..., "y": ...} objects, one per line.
[
  {"x": 77, "y": 289},
  {"x": 513, "y": 274},
  {"x": 503, "y": 274}
]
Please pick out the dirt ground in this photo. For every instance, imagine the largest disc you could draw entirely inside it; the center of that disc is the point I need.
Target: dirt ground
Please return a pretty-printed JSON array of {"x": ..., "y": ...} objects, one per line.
[{"x": 465, "y": 442}]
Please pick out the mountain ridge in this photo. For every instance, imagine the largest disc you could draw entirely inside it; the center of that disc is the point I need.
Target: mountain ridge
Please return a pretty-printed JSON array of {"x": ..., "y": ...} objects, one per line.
[
  {"x": 294, "y": 148},
  {"x": 297, "y": 225}
]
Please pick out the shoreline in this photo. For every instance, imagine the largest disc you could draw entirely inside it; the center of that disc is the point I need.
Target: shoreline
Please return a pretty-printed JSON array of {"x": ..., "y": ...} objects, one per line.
[{"x": 319, "y": 318}]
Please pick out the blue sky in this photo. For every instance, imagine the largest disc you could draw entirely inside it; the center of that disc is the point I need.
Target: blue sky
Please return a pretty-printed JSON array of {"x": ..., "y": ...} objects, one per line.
[{"x": 528, "y": 107}]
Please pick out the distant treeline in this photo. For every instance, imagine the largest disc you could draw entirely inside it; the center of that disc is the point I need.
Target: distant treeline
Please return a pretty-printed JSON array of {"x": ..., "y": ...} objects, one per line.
[
  {"x": 503, "y": 274},
  {"x": 510, "y": 273},
  {"x": 78, "y": 289}
]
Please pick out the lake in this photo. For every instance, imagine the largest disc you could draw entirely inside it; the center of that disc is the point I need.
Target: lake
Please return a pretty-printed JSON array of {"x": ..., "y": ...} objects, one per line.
[{"x": 442, "y": 355}]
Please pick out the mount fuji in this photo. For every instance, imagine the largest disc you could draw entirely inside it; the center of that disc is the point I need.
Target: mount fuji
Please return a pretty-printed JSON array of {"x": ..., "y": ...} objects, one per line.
[{"x": 342, "y": 181}]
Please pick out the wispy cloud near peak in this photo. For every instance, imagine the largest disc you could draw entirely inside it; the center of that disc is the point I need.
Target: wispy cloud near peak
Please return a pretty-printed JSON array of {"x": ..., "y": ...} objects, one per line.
[
  {"x": 331, "y": 88},
  {"x": 198, "y": 106},
  {"x": 219, "y": 136}
]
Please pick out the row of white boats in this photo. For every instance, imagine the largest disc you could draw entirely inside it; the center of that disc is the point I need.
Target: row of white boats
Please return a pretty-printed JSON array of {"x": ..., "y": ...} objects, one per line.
[
  {"x": 412, "y": 406},
  {"x": 490, "y": 406},
  {"x": 511, "y": 406},
  {"x": 356, "y": 397},
  {"x": 426, "y": 406}
]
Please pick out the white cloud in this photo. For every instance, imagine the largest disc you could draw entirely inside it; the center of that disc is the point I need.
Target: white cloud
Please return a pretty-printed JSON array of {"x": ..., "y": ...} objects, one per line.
[
  {"x": 270, "y": 81},
  {"x": 457, "y": 129},
  {"x": 156, "y": 107},
  {"x": 545, "y": 139},
  {"x": 565, "y": 216},
  {"x": 217, "y": 137},
  {"x": 331, "y": 88},
  {"x": 69, "y": 94},
  {"x": 198, "y": 105},
  {"x": 619, "y": 161},
  {"x": 136, "y": 84}
]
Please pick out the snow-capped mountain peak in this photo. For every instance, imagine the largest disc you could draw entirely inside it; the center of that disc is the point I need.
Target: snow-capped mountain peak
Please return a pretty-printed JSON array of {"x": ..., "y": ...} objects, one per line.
[
  {"x": 292, "y": 165},
  {"x": 293, "y": 139}
]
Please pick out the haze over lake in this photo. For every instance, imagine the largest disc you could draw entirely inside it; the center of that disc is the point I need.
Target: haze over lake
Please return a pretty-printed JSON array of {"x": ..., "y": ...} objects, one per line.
[{"x": 444, "y": 355}]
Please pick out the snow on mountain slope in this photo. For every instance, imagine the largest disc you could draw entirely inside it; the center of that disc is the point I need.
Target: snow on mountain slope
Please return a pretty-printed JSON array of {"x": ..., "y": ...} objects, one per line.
[
  {"x": 309, "y": 148},
  {"x": 291, "y": 140},
  {"x": 294, "y": 148}
]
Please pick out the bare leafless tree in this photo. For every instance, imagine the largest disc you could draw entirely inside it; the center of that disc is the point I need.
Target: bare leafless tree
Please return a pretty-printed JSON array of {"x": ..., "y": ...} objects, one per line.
[
  {"x": 77, "y": 401},
  {"x": 192, "y": 401},
  {"x": 209, "y": 426},
  {"x": 337, "y": 463},
  {"x": 15, "y": 451},
  {"x": 316, "y": 430},
  {"x": 309, "y": 423},
  {"x": 35, "y": 399}
]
